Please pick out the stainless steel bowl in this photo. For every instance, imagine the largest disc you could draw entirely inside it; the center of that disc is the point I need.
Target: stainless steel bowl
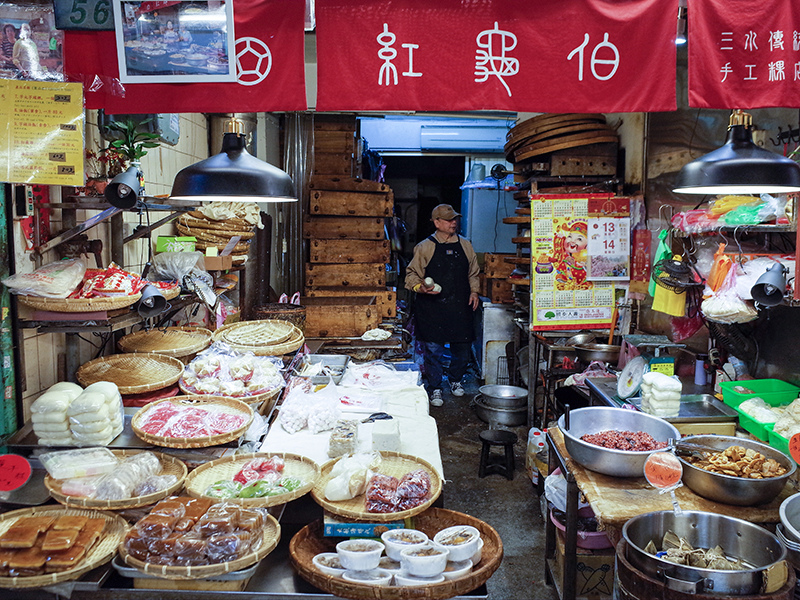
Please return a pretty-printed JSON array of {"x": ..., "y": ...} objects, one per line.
[
  {"x": 753, "y": 545},
  {"x": 730, "y": 489},
  {"x": 602, "y": 352},
  {"x": 789, "y": 529},
  {"x": 585, "y": 337},
  {"x": 504, "y": 396},
  {"x": 617, "y": 463}
]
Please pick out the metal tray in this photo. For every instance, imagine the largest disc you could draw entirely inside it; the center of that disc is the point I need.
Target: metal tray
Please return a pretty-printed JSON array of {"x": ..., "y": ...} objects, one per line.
[
  {"x": 335, "y": 363},
  {"x": 698, "y": 408},
  {"x": 132, "y": 573}
]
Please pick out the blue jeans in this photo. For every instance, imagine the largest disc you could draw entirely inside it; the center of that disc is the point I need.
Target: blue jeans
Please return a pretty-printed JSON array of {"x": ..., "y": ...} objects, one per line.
[{"x": 433, "y": 359}]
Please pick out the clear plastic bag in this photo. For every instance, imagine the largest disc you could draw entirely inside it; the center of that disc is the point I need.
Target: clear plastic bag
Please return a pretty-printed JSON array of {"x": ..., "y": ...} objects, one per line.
[
  {"x": 726, "y": 306},
  {"x": 173, "y": 266},
  {"x": 54, "y": 280}
]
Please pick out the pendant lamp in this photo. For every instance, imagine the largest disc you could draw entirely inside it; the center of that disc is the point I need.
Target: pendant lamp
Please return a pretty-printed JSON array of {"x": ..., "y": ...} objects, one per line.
[
  {"x": 233, "y": 175},
  {"x": 739, "y": 167}
]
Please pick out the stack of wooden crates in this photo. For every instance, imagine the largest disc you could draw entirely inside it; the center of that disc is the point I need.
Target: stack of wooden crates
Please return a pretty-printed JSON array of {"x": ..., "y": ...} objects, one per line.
[
  {"x": 345, "y": 276},
  {"x": 495, "y": 282}
]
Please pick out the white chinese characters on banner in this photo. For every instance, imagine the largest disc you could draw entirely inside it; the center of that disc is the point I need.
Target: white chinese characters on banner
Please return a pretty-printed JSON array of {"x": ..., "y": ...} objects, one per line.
[
  {"x": 771, "y": 70},
  {"x": 491, "y": 57},
  {"x": 609, "y": 249},
  {"x": 388, "y": 72}
]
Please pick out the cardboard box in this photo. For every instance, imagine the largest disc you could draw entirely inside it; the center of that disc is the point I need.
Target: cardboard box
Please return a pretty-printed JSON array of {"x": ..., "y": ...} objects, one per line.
[
  {"x": 175, "y": 243},
  {"x": 218, "y": 263},
  {"x": 594, "y": 571},
  {"x": 334, "y": 527}
]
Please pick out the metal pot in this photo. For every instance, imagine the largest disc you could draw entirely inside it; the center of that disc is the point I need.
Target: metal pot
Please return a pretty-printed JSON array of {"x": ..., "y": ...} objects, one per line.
[
  {"x": 617, "y": 463},
  {"x": 493, "y": 415},
  {"x": 504, "y": 396},
  {"x": 750, "y": 543},
  {"x": 789, "y": 529},
  {"x": 602, "y": 352},
  {"x": 730, "y": 489}
]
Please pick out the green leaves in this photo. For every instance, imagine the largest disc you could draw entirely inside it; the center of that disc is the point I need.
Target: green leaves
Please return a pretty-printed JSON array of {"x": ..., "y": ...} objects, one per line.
[{"x": 132, "y": 144}]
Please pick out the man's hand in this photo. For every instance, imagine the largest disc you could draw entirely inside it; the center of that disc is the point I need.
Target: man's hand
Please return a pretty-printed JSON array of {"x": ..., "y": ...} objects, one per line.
[
  {"x": 428, "y": 289},
  {"x": 474, "y": 300}
]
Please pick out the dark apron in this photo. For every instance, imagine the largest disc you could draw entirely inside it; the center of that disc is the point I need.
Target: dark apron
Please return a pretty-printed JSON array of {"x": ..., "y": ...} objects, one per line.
[{"x": 447, "y": 316}]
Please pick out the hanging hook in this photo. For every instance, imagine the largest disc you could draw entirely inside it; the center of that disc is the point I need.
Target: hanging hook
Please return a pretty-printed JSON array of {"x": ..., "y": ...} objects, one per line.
[
  {"x": 780, "y": 141},
  {"x": 666, "y": 223},
  {"x": 740, "y": 257}
]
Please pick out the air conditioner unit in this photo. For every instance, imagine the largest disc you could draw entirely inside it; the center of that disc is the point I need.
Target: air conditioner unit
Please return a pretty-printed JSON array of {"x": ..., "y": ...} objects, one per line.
[{"x": 465, "y": 139}]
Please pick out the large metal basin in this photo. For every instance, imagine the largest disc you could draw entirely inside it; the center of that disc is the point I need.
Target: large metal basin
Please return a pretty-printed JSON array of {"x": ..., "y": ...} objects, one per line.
[
  {"x": 510, "y": 417},
  {"x": 602, "y": 352},
  {"x": 504, "y": 396},
  {"x": 617, "y": 463},
  {"x": 730, "y": 489},
  {"x": 789, "y": 529},
  {"x": 753, "y": 545}
]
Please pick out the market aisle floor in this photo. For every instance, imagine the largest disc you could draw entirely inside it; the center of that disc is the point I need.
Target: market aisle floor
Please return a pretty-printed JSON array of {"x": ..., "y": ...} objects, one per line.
[{"x": 511, "y": 507}]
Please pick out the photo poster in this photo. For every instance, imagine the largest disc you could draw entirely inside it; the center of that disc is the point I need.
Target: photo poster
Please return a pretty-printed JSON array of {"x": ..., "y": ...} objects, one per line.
[
  {"x": 31, "y": 29},
  {"x": 175, "y": 42},
  {"x": 563, "y": 296}
]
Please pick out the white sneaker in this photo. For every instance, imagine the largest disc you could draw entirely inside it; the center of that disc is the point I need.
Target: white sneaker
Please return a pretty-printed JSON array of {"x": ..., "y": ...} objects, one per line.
[
  {"x": 456, "y": 388},
  {"x": 436, "y": 398}
]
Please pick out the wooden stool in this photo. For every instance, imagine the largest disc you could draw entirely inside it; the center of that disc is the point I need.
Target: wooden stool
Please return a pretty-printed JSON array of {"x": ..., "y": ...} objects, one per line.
[{"x": 497, "y": 437}]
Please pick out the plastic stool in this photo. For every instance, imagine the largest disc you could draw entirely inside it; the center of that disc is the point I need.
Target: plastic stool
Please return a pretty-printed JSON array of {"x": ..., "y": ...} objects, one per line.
[{"x": 497, "y": 437}]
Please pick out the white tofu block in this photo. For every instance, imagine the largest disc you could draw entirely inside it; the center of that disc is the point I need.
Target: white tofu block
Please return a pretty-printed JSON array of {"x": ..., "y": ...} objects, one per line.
[{"x": 386, "y": 435}]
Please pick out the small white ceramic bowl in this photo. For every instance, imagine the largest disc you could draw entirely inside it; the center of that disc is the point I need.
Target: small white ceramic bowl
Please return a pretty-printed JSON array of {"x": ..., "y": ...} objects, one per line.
[
  {"x": 388, "y": 564},
  {"x": 461, "y": 540},
  {"x": 476, "y": 558},
  {"x": 371, "y": 577},
  {"x": 359, "y": 555},
  {"x": 428, "y": 561},
  {"x": 454, "y": 570},
  {"x": 403, "y": 579},
  {"x": 397, "y": 540},
  {"x": 329, "y": 563}
]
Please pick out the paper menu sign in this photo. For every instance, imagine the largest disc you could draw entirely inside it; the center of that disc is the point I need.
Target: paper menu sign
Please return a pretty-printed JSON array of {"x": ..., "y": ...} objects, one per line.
[{"x": 41, "y": 132}]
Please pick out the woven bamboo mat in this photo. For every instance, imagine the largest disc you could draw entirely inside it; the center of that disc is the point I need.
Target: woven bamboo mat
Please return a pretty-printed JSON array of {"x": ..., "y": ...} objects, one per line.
[{"x": 134, "y": 373}]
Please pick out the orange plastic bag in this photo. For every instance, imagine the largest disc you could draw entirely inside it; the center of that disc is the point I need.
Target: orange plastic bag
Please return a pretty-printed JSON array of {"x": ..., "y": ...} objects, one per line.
[{"x": 719, "y": 269}]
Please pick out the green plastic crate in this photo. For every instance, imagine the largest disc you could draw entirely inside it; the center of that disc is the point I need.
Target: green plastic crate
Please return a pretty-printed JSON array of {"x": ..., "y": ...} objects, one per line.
[
  {"x": 777, "y": 441},
  {"x": 757, "y": 428},
  {"x": 774, "y": 391}
]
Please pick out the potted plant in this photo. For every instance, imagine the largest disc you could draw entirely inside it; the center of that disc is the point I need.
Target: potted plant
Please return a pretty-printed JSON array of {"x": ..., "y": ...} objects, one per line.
[{"x": 131, "y": 146}]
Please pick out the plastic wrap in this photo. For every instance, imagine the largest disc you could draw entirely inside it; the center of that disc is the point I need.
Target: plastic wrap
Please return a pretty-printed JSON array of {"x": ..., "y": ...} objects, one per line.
[
  {"x": 54, "y": 280},
  {"x": 130, "y": 473},
  {"x": 725, "y": 306},
  {"x": 344, "y": 438},
  {"x": 68, "y": 464},
  {"x": 416, "y": 484},
  {"x": 293, "y": 416},
  {"x": 171, "y": 420},
  {"x": 350, "y": 474},
  {"x": 220, "y": 371},
  {"x": 382, "y": 488},
  {"x": 153, "y": 484}
]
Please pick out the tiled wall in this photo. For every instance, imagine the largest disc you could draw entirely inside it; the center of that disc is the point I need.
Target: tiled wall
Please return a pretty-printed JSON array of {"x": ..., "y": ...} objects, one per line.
[{"x": 43, "y": 353}]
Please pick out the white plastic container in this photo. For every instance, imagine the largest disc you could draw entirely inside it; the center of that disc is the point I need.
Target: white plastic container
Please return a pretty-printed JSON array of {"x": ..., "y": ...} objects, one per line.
[
  {"x": 371, "y": 577},
  {"x": 461, "y": 540},
  {"x": 359, "y": 555},
  {"x": 428, "y": 561},
  {"x": 404, "y": 579},
  {"x": 454, "y": 570},
  {"x": 397, "y": 540},
  {"x": 85, "y": 462},
  {"x": 329, "y": 563}
]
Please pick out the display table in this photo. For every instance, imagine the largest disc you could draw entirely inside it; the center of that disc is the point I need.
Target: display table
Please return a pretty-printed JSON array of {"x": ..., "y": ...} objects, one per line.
[{"x": 614, "y": 500}]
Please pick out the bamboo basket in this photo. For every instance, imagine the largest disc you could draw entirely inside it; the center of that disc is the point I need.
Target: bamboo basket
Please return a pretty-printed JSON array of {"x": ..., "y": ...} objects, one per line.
[
  {"x": 197, "y": 219},
  {"x": 254, "y": 333},
  {"x": 171, "y": 294},
  {"x": 260, "y": 403},
  {"x": 182, "y": 343},
  {"x": 134, "y": 373},
  {"x": 272, "y": 534},
  {"x": 78, "y": 305},
  {"x": 169, "y": 465},
  {"x": 310, "y": 541},
  {"x": 104, "y": 549},
  {"x": 234, "y": 406},
  {"x": 281, "y": 311},
  {"x": 290, "y": 345},
  {"x": 213, "y": 235},
  {"x": 394, "y": 463},
  {"x": 296, "y": 465}
]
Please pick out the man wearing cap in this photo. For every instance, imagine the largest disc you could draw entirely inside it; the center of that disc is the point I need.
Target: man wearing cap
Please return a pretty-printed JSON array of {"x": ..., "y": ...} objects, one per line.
[{"x": 444, "y": 309}]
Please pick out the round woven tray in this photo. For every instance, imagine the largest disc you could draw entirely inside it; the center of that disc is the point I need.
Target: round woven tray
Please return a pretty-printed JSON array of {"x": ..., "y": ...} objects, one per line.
[
  {"x": 240, "y": 248},
  {"x": 260, "y": 403},
  {"x": 78, "y": 304},
  {"x": 281, "y": 311},
  {"x": 225, "y": 468},
  {"x": 272, "y": 535},
  {"x": 230, "y": 404},
  {"x": 255, "y": 333},
  {"x": 104, "y": 549},
  {"x": 171, "y": 293},
  {"x": 309, "y": 541},
  {"x": 169, "y": 465},
  {"x": 197, "y": 219},
  {"x": 172, "y": 341},
  {"x": 213, "y": 235},
  {"x": 394, "y": 463},
  {"x": 293, "y": 343},
  {"x": 134, "y": 373}
]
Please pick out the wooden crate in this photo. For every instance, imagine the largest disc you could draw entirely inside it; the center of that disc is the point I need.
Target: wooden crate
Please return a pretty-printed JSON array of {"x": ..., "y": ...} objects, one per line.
[
  {"x": 340, "y": 316},
  {"x": 353, "y": 228},
  {"x": 500, "y": 291},
  {"x": 386, "y": 298},
  {"x": 334, "y": 142},
  {"x": 351, "y": 204},
  {"x": 349, "y": 251},
  {"x": 324, "y": 182},
  {"x": 334, "y": 164},
  {"x": 347, "y": 275},
  {"x": 496, "y": 267}
]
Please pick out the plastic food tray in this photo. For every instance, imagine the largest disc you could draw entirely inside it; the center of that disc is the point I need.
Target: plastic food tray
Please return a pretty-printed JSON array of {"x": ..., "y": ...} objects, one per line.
[
  {"x": 777, "y": 441},
  {"x": 773, "y": 391},
  {"x": 335, "y": 363},
  {"x": 757, "y": 428}
]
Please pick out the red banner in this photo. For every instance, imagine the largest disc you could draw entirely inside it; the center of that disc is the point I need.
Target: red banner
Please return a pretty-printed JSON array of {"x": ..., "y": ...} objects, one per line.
[
  {"x": 744, "y": 54},
  {"x": 547, "y": 56},
  {"x": 270, "y": 68}
]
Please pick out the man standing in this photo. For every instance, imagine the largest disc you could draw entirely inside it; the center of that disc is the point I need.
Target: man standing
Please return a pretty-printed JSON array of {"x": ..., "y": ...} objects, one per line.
[{"x": 444, "y": 309}]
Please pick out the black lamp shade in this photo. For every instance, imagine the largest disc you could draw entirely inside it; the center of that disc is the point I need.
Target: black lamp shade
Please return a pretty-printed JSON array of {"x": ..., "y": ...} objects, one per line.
[
  {"x": 739, "y": 167},
  {"x": 233, "y": 175},
  {"x": 771, "y": 286},
  {"x": 124, "y": 190}
]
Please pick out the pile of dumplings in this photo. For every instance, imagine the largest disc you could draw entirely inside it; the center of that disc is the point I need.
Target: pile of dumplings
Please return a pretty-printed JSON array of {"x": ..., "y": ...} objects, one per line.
[
  {"x": 68, "y": 415},
  {"x": 678, "y": 550}
]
